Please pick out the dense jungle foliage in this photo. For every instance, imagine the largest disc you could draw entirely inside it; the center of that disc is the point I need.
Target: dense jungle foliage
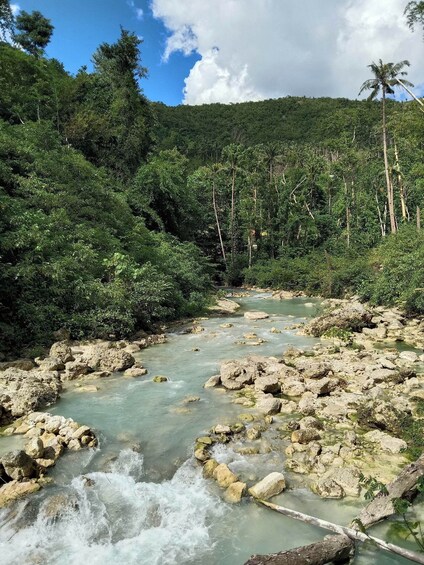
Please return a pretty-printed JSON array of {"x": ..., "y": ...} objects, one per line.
[{"x": 117, "y": 213}]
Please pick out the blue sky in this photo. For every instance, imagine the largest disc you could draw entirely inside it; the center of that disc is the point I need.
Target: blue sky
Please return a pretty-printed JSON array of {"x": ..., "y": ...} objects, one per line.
[
  {"x": 81, "y": 25},
  {"x": 237, "y": 50}
]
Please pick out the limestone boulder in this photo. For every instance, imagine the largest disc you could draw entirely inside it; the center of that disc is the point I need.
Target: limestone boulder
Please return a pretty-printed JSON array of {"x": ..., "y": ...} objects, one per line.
[
  {"x": 271, "y": 485},
  {"x": 267, "y": 384},
  {"x": 254, "y": 316},
  {"x": 348, "y": 316},
  {"x": 18, "y": 465},
  {"x": 224, "y": 476},
  {"x": 235, "y": 492},
  {"x": 236, "y": 374},
  {"x": 61, "y": 350},
  {"x": 22, "y": 392},
  {"x": 385, "y": 441},
  {"x": 268, "y": 405}
]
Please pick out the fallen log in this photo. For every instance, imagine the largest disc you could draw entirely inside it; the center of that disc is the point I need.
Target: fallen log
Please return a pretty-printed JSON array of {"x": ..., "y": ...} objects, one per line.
[
  {"x": 403, "y": 486},
  {"x": 337, "y": 549},
  {"x": 343, "y": 531}
]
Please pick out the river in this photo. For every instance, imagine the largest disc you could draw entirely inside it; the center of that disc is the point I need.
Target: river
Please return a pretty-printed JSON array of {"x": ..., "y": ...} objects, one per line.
[{"x": 147, "y": 502}]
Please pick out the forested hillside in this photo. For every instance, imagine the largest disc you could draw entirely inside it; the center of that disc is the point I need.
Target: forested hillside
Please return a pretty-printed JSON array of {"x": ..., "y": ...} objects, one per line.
[{"x": 117, "y": 213}]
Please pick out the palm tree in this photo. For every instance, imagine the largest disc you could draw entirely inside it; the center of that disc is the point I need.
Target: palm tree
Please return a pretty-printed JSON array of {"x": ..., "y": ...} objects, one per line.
[{"x": 385, "y": 79}]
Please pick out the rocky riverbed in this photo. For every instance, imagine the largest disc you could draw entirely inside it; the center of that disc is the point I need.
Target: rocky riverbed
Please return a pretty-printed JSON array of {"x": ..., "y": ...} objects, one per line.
[
  {"x": 316, "y": 413},
  {"x": 337, "y": 411}
]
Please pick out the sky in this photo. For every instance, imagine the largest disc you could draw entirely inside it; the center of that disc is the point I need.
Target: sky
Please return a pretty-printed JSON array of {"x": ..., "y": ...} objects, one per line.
[{"x": 205, "y": 51}]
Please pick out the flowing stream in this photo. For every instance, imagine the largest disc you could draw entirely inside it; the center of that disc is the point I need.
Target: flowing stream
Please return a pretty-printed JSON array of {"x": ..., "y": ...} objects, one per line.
[{"x": 140, "y": 498}]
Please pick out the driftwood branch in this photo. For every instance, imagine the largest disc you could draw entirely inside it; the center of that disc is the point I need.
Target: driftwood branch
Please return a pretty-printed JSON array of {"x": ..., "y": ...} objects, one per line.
[
  {"x": 404, "y": 486},
  {"x": 337, "y": 549},
  {"x": 351, "y": 533}
]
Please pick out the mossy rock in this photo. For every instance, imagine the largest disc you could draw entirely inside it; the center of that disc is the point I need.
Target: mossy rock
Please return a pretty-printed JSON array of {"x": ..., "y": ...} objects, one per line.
[
  {"x": 237, "y": 428},
  {"x": 205, "y": 440},
  {"x": 246, "y": 417},
  {"x": 160, "y": 379}
]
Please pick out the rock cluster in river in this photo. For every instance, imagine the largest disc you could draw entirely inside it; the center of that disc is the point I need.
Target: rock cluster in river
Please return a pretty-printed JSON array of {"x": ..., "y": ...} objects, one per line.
[
  {"x": 27, "y": 385},
  {"x": 234, "y": 488},
  {"x": 47, "y": 438},
  {"x": 336, "y": 407}
]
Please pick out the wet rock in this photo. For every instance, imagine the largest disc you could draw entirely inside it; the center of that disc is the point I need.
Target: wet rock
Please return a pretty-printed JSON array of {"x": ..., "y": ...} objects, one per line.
[
  {"x": 160, "y": 379},
  {"x": 213, "y": 381},
  {"x": 15, "y": 490},
  {"x": 87, "y": 388},
  {"x": 135, "y": 372},
  {"x": 19, "y": 465},
  {"x": 305, "y": 435},
  {"x": 271, "y": 485},
  {"x": 201, "y": 454},
  {"x": 256, "y": 315},
  {"x": 236, "y": 374},
  {"x": 35, "y": 448},
  {"x": 222, "y": 429},
  {"x": 58, "y": 505},
  {"x": 253, "y": 433},
  {"x": 225, "y": 306},
  {"x": 209, "y": 468},
  {"x": 223, "y": 476},
  {"x": 235, "y": 492}
]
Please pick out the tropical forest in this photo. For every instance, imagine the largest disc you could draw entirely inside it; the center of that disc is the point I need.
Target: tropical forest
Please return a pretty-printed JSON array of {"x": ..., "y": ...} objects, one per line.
[{"x": 211, "y": 315}]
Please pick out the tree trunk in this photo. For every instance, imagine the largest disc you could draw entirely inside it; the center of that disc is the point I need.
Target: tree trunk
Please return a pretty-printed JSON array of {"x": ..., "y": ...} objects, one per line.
[
  {"x": 333, "y": 548},
  {"x": 411, "y": 93},
  {"x": 342, "y": 531},
  {"x": 390, "y": 199},
  {"x": 418, "y": 218},
  {"x": 218, "y": 227},
  {"x": 403, "y": 486},
  {"x": 405, "y": 213},
  {"x": 233, "y": 207}
]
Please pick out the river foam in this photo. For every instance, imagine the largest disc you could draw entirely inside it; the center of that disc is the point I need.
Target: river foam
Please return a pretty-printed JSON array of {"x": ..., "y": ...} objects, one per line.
[{"x": 117, "y": 519}]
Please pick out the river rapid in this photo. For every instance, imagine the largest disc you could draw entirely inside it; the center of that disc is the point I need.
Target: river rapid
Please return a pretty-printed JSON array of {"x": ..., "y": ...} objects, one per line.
[{"x": 140, "y": 497}]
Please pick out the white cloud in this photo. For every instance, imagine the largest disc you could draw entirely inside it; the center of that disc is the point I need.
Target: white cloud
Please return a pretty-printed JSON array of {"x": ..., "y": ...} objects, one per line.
[
  {"x": 137, "y": 11},
  {"x": 257, "y": 49},
  {"x": 15, "y": 9}
]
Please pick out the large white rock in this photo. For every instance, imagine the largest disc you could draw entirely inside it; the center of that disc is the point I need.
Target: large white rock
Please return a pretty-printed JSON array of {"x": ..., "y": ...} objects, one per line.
[
  {"x": 271, "y": 485},
  {"x": 256, "y": 315},
  {"x": 385, "y": 441}
]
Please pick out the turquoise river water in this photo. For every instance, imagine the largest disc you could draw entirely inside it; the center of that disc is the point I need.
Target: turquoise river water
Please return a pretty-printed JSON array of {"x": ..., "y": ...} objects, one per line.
[{"x": 151, "y": 505}]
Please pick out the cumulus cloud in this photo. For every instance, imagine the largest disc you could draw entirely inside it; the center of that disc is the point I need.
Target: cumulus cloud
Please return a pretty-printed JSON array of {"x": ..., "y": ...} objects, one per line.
[
  {"x": 15, "y": 9},
  {"x": 258, "y": 49}
]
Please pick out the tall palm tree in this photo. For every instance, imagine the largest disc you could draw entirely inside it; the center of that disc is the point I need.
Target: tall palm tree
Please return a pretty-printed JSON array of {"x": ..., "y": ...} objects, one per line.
[{"x": 386, "y": 78}]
